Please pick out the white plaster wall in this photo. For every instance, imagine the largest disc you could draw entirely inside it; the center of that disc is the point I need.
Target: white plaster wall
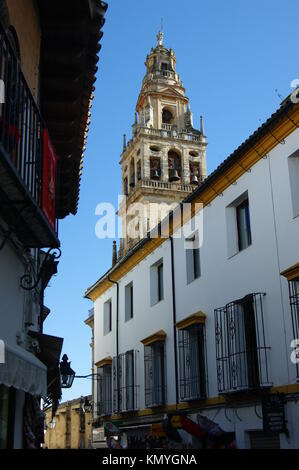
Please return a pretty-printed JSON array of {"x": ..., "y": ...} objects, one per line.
[{"x": 275, "y": 237}]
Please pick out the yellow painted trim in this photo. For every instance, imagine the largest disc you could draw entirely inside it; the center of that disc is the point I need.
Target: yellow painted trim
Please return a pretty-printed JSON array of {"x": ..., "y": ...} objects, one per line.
[
  {"x": 267, "y": 142},
  {"x": 107, "y": 361},
  {"x": 154, "y": 338},
  {"x": 292, "y": 272},
  {"x": 212, "y": 401},
  {"x": 195, "y": 318}
]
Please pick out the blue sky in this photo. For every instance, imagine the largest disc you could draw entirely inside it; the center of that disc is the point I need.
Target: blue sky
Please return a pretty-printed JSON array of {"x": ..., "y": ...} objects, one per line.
[{"x": 231, "y": 57}]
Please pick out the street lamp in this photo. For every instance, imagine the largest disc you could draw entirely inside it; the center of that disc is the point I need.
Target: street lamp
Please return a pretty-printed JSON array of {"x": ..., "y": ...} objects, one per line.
[
  {"x": 67, "y": 374},
  {"x": 86, "y": 405}
]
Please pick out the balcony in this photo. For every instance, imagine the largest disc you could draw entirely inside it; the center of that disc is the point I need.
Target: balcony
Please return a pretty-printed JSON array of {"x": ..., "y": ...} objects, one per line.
[
  {"x": 27, "y": 159},
  {"x": 242, "y": 353},
  {"x": 126, "y": 390}
]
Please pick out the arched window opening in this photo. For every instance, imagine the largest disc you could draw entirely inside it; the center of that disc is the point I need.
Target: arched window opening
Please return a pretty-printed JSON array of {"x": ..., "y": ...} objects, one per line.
[
  {"x": 174, "y": 166},
  {"x": 167, "y": 117},
  {"x": 132, "y": 174},
  {"x": 139, "y": 170},
  {"x": 126, "y": 186},
  {"x": 194, "y": 173},
  {"x": 155, "y": 168}
]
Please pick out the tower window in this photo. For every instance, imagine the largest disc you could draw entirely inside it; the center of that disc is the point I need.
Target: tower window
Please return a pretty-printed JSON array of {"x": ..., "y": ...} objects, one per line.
[
  {"x": 194, "y": 172},
  {"x": 155, "y": 168},
  {"x": 174, "y": 165},
  {"x": 139, "y": 170},
  {"x": 167, "y": 116},
  {"x": 126, "y": 186}
]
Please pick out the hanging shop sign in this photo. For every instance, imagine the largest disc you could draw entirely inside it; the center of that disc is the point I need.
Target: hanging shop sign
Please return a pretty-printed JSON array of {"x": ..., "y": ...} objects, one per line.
[
  {"x": 273, "y": 407},
  {"x": 49, "y": 176}
]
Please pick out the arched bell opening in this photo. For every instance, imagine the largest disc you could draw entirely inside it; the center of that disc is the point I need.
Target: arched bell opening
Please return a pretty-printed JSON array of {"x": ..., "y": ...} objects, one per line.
[{"x": 174, "y": 166}]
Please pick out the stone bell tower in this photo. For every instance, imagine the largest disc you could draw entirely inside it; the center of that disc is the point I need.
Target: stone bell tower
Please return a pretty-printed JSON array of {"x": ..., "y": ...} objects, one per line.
[{"x": 166, "y": 158}]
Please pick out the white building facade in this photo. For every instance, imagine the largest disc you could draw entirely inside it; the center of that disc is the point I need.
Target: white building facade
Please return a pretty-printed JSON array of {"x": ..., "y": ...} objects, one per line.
[{"x": 211, "y": 329}]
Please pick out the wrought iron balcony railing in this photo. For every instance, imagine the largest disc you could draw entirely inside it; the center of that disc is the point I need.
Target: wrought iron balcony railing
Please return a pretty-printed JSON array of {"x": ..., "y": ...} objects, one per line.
[
  {"x": 155, "y": 374},
  {"x": 104, "y": 391},
  {"x": 23, "y": 139},
  {"x": 294, "y": 302},
  {"x": 192, "y": 360},
  {"x": 127, "y": 388},
  {"x": 242, "y": 353}
]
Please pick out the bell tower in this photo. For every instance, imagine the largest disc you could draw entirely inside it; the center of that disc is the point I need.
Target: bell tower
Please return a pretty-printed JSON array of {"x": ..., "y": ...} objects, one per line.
[{"x": 166, "y": 157}]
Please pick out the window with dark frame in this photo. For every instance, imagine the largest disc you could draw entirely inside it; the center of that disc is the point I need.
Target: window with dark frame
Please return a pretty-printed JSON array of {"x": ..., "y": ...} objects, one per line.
[
  {"x": 192, "y": 260},
  {"x": 243, "y": 225},
  {"x": 107, "y": 317},
  {"x": 125, "y": 381},
  {"x": 129, "y": 312},
  {"x": 155, "y": 374},
  {"x": 294, "y": 303},
  {"x": 160, "y": 282},
  {"x": 105, "y": 390},
  {"x": 242, "y": 354},
  {"x": 192, "y": 360},
  {"x": 130, "y": 380}
]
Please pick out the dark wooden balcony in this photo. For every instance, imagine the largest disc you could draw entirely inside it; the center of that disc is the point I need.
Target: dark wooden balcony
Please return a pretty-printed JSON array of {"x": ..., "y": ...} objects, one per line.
[{"x": 27, "y": 173}]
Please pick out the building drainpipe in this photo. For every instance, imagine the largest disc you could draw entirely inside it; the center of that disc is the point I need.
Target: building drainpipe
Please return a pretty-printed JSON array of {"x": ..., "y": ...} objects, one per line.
[
  {"x": 117, "y": 340},
  {"x": 174, "y": 323}
]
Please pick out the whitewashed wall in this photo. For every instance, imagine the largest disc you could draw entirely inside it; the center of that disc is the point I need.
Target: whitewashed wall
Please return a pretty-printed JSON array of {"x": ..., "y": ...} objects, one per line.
[{"x": 224, "y": 278}]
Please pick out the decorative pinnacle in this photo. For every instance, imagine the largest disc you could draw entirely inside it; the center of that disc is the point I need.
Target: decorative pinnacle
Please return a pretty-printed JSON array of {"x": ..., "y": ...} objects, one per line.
[{"x": 160, "y": 38}]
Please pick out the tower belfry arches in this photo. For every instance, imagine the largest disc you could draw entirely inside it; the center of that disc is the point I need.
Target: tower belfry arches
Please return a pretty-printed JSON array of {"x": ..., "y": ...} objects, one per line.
[{"x": 166, "y": 157}]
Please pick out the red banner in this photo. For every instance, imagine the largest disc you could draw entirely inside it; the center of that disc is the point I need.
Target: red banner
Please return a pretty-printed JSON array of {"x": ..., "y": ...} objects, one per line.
[{"x": 49, "y": 175}]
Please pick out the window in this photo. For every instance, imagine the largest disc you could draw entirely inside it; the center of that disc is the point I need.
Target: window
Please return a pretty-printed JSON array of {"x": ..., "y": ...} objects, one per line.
[
  {"x": 126, "y": 392},
  {"x": 194, "y": 172},
  {"x": 293, "y": 162},
  {"x": 129, "y": 302},
  {"x": 174, "y": 166},
  {"x": 192, "y": 362},
  {"x": 241, "y": 351},
  {"x": 154, "y": 374},
  {"x": 155, "y": 168},
  {"x": 160, "y": 282},
  {"x": 105, "y": 390},
  {"x": 156, "y": 282},
  {"x": 166, "y": 116},
  {"x": 192, "y": 259},
  {"x": 243, "y": 224},
  {"x": 294, "y": 302},
  {"x": 107, "y": 317},
  {"x": 238, "y": 226}
]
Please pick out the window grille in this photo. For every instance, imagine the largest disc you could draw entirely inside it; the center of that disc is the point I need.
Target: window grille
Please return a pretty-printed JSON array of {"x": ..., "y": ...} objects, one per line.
[
  {"x": 192, "y": 359},
  {"x": 294, "y": 302},
  {"x": 155, "y": 374},
  {"x": 241, "y": 351},
  {"x": 126, "y": 389},
  {"x": 104, "y": 390}
]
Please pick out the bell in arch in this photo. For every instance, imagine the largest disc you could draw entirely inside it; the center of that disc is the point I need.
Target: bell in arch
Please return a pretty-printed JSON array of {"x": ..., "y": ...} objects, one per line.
[
  {"x": 174, "y": 176},
  {"x": 194, "y": 179},
  {"x": 156, "y": 175}
]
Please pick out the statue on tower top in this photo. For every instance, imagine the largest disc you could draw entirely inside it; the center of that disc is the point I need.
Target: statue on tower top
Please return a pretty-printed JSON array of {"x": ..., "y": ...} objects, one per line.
[{"x": 160, "y": 38}]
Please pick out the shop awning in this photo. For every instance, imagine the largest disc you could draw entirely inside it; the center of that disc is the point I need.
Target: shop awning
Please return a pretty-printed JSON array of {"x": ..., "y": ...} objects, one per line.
[
  {"x": 49, "y": 353},
  {"x": 23, "y": 371}
]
